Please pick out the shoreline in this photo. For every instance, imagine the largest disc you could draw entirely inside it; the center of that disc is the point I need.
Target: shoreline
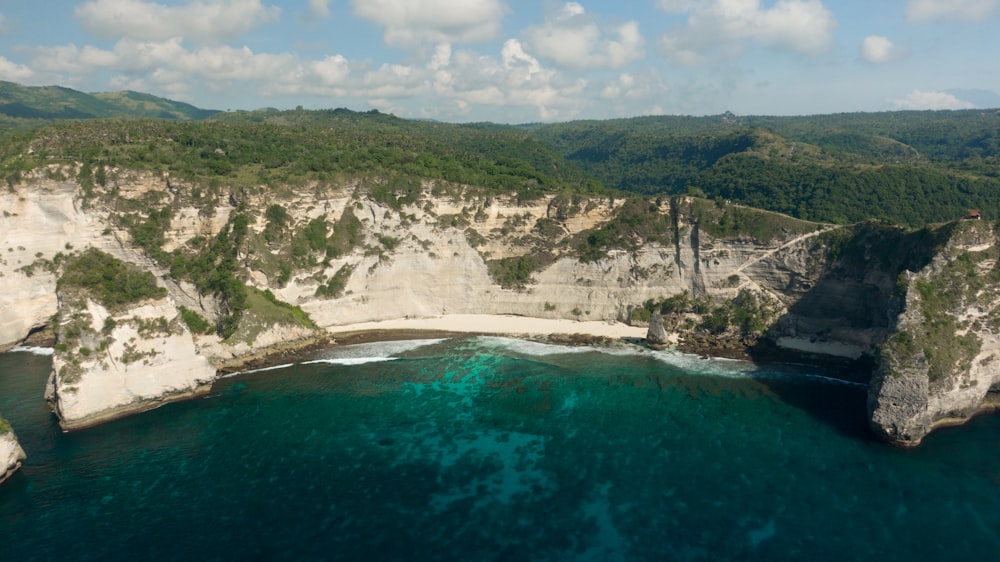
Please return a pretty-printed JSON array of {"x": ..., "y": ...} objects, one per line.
[
  {"x": 558, "y": 331},
  {"x": 495, "y": 324}
]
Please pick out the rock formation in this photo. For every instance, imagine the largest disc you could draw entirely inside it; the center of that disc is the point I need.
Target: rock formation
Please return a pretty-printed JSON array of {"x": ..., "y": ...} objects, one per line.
[
  {"x": 120, "y": 363},
  {"x": 11, "y": 453},
  {"x": 942, "y": 362},
  {"x": 843, "y": 291},
  {"x": 657, "y": 335}
]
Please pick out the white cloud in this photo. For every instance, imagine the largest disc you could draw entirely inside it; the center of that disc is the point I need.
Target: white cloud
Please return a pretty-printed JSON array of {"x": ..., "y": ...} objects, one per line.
[
  {"x": 964, "y": 10},
  {"x": 877, "y": 49},
  {"x": 14, "y": 72},
  {"x": 800, "y": 26},
  {"x": 570, "y": 37},
  {"x": 199, "y": 20},
  {"x": 931, "y": 100},
  {"x": 319, "y": 8},
  {"x": 414, "y": 22}
]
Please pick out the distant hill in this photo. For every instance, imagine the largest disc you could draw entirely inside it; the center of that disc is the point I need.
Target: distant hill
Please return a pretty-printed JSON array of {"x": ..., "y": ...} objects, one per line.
[
  {"x": 56, "y": 102},
  {"x": 904, "y": 167},
  {"x": 909, "y": 167}
]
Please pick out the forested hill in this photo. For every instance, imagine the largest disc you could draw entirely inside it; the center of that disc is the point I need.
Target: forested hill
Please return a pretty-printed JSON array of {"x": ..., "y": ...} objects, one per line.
[
  {"x": 275, "y": 150},
  {"x": 909, "y": 167},
  {"x": 30, "y": 106}
]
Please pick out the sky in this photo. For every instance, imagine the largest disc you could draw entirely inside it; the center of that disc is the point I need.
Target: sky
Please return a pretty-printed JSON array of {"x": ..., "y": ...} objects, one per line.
[{"x": 517, "y": 61}]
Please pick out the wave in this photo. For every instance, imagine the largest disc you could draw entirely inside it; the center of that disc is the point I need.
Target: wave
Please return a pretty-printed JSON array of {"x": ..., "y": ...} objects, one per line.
[
  {"x": 533, "y": 348},
  {"x": 45, "y": 351},
  {"x": 261, "y": 370},
  {"x": 372, "y": 351},
  {"x": 349, "y": 361},
  {"x": 689, "y": 363},
  {"x": 358, "y": 354}
]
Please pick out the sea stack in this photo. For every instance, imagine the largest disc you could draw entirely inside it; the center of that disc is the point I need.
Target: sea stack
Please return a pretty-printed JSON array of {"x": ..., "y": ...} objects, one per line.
[
  {"x": 11, "y": 453},
  {"x": 656, "y": 336}
]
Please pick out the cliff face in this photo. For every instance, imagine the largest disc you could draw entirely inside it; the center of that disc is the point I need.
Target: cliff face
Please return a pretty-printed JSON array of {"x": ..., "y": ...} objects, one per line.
[
  {"x": 345, "y": 256},
  {"x": 37, "y": 222},
  {"x": 11, "y": 453},
  {"x": 942, "y": 362},
  {"x": 111, "y": 364}
]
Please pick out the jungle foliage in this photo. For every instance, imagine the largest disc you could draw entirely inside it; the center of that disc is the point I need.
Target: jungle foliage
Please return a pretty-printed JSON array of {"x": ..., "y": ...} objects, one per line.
[
  {"x": 907, "y": 167},
  {"x": 109, "y": 280}
]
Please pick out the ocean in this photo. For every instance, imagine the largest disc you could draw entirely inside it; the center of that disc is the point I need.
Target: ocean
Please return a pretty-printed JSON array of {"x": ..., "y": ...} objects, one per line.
[{"x": 484, "y": 448}]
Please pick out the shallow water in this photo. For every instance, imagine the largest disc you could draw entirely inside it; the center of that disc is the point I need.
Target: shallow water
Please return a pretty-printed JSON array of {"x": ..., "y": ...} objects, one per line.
[{"x": 496, "y": 449}]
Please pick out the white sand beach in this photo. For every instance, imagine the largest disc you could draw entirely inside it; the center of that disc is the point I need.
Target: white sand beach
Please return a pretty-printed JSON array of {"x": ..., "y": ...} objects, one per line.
[{"x": 497, "y": 324}]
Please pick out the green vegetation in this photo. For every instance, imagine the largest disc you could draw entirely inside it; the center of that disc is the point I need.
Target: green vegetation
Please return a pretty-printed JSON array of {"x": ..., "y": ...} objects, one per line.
[
  {"x": 748, "y": 314},
  {"x": 214, "y": 269},
  {"x": 5, "y": 427},
  {"x": 725, "y": 220},
  {"x": 347, "y": 233},
  {"x": 906, "y": 167},
  {"x": 195, "y": 322},
  {"x": 515, "y": 272},
  {"x": 636, "y": 222},
  {"x": 109, "y": 280},
  {"x": 274, "y": 149},
  {"x": 945, "y": 341},
  {"x": 150, "y": 233},
  {"x": 278, "y": 220},
  {"x": 267, "y": 307},
  {"x": 54, "y": 102},
  {"x": 334, "y": 288}
]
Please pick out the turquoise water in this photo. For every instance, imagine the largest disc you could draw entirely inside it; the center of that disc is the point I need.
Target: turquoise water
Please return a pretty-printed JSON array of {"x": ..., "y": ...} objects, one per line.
[{"x": 493, "y": 449}]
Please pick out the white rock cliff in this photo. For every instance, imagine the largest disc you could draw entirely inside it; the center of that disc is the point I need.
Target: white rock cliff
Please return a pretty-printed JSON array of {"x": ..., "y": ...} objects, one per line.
[
  {"x": 11, "y": 454},
  {"x": 434, "y": 258}
]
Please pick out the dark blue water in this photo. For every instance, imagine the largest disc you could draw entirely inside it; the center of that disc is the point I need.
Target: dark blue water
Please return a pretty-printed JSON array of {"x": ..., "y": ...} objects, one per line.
[{"x": 490, "y": 449}]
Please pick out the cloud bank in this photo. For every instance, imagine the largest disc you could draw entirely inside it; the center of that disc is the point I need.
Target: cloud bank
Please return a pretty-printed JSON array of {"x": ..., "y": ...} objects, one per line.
[
  {"x": 963, "y": 10},
  {"x": 931, "y": 100},
  {"x": 198, "y": 20},
  {"x": 728, "y": 26}
]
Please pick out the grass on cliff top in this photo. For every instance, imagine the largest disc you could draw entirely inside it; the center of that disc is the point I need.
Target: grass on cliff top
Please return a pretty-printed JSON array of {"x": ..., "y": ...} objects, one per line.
[
  {"x": 263, "y": 311},
  {"x": 948, "y": 343},
  {"x": 726, "y": 220},
  {"x": 109, "y": 280},
  {"x": 5, "y": 427}
]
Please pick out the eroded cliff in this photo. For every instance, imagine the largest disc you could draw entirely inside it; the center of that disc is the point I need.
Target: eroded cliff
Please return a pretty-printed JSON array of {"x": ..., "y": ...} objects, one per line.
[
  {"x": 942, "y": 362},
  {"x": 11, "y": 453},
  {"x": 242, "y": 269},
  {"x": 109, "y": 364}
]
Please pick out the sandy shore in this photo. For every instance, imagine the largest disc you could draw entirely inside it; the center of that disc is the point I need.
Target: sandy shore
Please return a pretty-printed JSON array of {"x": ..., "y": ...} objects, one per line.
[
  {"x": 498, "y": 325},
  {"x": 437, "y": 327}
]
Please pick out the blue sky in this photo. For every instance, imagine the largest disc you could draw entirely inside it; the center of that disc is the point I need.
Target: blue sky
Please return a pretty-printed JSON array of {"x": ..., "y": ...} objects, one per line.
[{"x": 517, "y": 60}]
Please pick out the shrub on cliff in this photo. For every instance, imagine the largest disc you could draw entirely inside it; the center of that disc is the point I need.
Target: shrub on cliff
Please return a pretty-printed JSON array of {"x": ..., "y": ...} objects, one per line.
[{"x": 109, "y": 280}]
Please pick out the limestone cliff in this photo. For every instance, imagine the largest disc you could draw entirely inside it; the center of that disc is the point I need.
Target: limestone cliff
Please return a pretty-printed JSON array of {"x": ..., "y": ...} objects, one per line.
[
  {"x": 11, "y": 453},
  {"x": 943, "y": 359},
  {"x": 107, "y": 365},
  {"x": 325, "y": 256}
]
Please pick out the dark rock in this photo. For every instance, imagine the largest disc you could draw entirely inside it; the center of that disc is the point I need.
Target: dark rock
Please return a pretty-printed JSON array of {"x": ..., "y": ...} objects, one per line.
[{"x": 657, "y": 334}]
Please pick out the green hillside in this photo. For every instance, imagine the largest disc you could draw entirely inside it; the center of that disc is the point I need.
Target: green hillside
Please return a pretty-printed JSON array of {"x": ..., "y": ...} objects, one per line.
[
  {"x": 56, "y": 102},
  {"x": 281, "y": 149},
  {"x": 905, "y": 167}
]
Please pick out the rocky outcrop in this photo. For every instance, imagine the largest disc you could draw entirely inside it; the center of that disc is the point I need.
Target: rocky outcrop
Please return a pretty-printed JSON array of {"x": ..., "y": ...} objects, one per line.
[
  {"x": 943, "y": 358},
  {"x": 657, "y": 335},
  {"x": 107, "y": 365},
  {"x": 836, "y": 290},
  {"x": 11, "y": 453}
]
